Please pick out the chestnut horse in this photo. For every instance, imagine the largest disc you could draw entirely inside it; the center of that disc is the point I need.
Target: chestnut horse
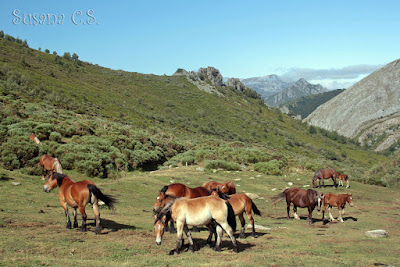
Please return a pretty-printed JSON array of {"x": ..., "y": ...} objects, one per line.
[
  {"x": 50, "y": 164},
  {"x": 227, "y": 188},
  {"x": 177, "y": 190},
  {"x": 240, "y": 203},
  {"x": 339, "y": 201},
  {"x": 325, "y": 174},
  {"x": 78, "y": 195},
  {"x": 344, "y": 177},
  {"x": 300, "y": 198},
  {"x": 196, "y": 212}
]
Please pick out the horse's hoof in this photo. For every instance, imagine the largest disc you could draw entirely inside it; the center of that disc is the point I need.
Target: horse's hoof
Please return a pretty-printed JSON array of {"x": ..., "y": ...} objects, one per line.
[
  {"x": 76, "y": 225},
  {"x": 176, "y": 252},
  {"x": 217, "y": 248},
  {"x": 68, "y": 226},
  {"x": 242, "y": 236},
  {"x": 83, "y": 229},
  {"x": 191, "y": 248}
]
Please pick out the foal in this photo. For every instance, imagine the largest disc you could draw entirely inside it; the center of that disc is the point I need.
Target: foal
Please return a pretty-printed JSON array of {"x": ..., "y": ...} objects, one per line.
[{"x": 339, "y": 201}]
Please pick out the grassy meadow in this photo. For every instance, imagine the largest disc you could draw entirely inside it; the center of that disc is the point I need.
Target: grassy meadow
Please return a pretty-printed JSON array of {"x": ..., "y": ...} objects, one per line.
[{"x": 32, "y": 225}]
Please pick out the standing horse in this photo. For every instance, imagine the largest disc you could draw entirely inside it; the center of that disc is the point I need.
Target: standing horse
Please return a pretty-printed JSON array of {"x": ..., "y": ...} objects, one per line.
[
  {"x": 339, "y": 201},
  {"x": 325, "y": 174},
  {"x": 344, "y": 177},
  {"x": 227, "y": 188},
  {"x": 196, "y": 212},
  {"x": 50, "y": 164},
  {"x": 240, "y": 203},
  {"x": 78, "y": 195},
  {"x": 300, "y": 198}
]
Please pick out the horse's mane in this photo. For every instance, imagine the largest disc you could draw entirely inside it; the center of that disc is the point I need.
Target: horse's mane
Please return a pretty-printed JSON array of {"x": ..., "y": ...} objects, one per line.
[
  {"x": 164, "y": 189},
  {"x": 222, "y": 195},
  {"x": 59, "y": 176},
  {"x": 166, "y": 211}
]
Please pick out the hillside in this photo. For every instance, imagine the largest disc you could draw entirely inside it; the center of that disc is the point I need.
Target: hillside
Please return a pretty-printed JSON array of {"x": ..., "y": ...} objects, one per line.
[
  {"x": 294, "y": 91},
  {"x": 305, "y": 105},
  {"x": 368, "y": 111},
  {"x": 101, "y": 122}
]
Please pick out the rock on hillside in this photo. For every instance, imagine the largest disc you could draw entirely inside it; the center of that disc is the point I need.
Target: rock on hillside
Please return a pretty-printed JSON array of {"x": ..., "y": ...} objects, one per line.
[
  {"x": 294, "y": 91},
  {"x": 369, "y": 110}
]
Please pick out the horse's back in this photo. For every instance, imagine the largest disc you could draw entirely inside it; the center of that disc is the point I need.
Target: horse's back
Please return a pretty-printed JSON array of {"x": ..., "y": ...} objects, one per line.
[
  {"x": 176, "y": 190},
  {"x": 197, "y": 192}
]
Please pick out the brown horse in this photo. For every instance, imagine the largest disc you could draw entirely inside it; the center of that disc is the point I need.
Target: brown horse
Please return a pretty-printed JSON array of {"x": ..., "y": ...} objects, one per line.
[
  {"x": 324, "y": 174},
  {"x": 78, "y": 195},
  {"x": 339, "y": 201},
  {"x": 196, "y": 212},
  {"x": 240, "y": 203},
  {"x": 226, "y": 188},
  {"x": 35, "y": 139},
  {"x": 51, "y": 164},
  {"x": 343, "y": 177},
  {"x": 300, "y": 198}
]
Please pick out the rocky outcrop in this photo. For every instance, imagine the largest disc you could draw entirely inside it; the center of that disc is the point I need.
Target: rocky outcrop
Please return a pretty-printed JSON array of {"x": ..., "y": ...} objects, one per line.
[
  {"x": 294, "y": 91},
  {"x": 236, "y": 83},
  {"x": 369, "y": 110},
  {"x": 211, "y": 74}
]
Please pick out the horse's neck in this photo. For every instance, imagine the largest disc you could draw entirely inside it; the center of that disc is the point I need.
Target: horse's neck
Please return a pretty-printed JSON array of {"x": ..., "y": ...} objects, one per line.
[{"x": 66, "y": 182}]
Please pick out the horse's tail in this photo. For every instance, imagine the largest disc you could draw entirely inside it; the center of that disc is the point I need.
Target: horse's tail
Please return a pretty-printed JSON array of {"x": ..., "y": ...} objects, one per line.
[
  {"x": 278, "y": 198},
  {"x": 107, "y": 199},
  {"x": 255, "y": 209},
  {"x": 231, "y": 216},
  {"x": 57, "y": 166}
]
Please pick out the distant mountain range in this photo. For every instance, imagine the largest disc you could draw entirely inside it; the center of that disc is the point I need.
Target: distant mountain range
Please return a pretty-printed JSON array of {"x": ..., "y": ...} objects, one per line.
[{"x": 277, "y": 92}]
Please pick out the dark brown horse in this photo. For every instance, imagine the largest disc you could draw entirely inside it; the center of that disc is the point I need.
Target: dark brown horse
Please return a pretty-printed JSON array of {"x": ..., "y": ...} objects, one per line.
[
  {"x": 339, "y": 201},
  {"x": 324, "y": 174},
  {"x": 241, "y": 203},
  {"x": 300, "y": 198},
  {"x": 51, "y": 164},
  {"x": 78, "y": 195},
  {"x": 343, "y": 177},
  {"x": 196, "y": 212},
  {"x": 226, "y": 188}
]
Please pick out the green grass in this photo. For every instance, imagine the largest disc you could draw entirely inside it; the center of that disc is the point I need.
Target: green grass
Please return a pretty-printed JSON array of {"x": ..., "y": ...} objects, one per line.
[{"x": 33, "y": 238}]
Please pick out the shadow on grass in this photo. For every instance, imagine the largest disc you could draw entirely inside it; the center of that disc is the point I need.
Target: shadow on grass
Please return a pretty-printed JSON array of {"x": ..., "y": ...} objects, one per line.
[
  {"x": 111, "y": 226},
  {"x": 4, "y": 177},
  {"x": 344, "y": 219}
]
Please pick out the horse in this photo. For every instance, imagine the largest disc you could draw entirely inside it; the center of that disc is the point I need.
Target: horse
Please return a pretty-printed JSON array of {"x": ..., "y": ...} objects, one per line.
[
  {"x": 35, "y": 139},
  {"x": 324, "y": 174},
  {"x": 342, "y": 177},
  {"x": 227, "y": 188},
  {"x": 300, "y": 198},
  {"x": 240, "y": 203},
  {"x": 339, "y": 201},
  {"x": 196, "y": 212},
  {"x": 178, "y": 190},
  {"x": 78, "y": 195},
  {"x": 50, "y": 164}
]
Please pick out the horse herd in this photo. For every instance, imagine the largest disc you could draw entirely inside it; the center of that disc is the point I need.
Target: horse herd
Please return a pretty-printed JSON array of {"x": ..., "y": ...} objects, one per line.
[{"x": 213, "y": 204}]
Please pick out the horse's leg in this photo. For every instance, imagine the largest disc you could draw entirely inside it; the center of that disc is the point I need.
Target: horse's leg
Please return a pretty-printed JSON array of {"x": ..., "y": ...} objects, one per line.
[
  {"x": 288, "y": 210},
  {"x": 242, "y": 222},
  {"x": 97, "y": 217},
  {"x": 309, "y": 219},
  {"x": 189, "y": 236},
  {"x": 296, "y": 217},
  {"x": 229, "y": 231},
  {"x": 219, "y": 237},
  {"x": 43, "y": 173},
  {"x": 172, "y": 229},
  {"x": 179, "y": 238},
  {"x": 330, "y": 213},
  {"x": 211, "y": 229},
  {"x": 340, "y": 214},
  {"x": 75, "y": 219},
  {"x": 64, "y": 205},
  {"x": 84, "y": 217}
]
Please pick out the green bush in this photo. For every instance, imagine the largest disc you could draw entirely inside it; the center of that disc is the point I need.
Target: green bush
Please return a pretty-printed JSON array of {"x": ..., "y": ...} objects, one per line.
[
  {"x": 222, "y": 164},
  {"x": 55, "y": 136},
  {"x": 272, "y": 167},
  {"x": 17, "y": 151}
]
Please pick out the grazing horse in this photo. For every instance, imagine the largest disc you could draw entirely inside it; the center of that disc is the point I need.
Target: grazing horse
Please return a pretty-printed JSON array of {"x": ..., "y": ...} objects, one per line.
[
  {"x": 227, "y": 188},
  {"x": 240, "y": 203},
  {"x": 324, "y": 174},
  {"x": 339, "y": 201},
  {"x": 78, "y": 195},
  {"x": 35, "y": 139},
  {"x": 178, "y": 190},
  {"x": 196, "y": 212},
  {"x": 344, "y": 177},
  {"x": 300, "y": 198},
  {"x": 50, "y": 164}
]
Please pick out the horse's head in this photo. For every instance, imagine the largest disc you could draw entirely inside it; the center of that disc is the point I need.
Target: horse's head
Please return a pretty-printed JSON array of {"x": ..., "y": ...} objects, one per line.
[
  {"x": 158, "y": 205},
  {"x": 223, "y": 188},
  {"x": 315, "y": 197},
  {"x": 159, "y": 226},
  {"x": 349, "y": 200},
  {"x": 320, "y": 198},
  {"x": 51, "y": 182}
]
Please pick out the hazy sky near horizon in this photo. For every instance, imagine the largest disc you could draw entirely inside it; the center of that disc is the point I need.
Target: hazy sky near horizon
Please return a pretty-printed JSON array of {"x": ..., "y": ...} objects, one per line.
[{"x": 332, "y": 42}]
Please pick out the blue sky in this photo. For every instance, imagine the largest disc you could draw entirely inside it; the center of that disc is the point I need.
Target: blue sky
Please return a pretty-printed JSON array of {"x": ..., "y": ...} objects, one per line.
[{"x": 320, "y": 40}]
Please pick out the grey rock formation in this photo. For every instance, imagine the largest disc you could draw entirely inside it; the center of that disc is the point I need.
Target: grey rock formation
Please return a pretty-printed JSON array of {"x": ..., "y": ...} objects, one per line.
[
  {"x": 236, "y": 83},
  {"x": 377, "y": 233},
  {"x": 366, "y": 110}
]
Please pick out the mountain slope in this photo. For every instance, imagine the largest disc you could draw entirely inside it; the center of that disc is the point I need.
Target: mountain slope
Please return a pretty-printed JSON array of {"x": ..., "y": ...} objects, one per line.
[{"x": 369, "y": 110}]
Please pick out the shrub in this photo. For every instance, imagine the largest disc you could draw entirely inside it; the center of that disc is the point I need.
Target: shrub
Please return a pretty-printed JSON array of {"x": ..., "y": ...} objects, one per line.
[
  {"x": 55, "y": 136},
  {"x": 17, "y": 152},
  {"x": 222, "y": 164},
  {"x": 272, "y": 167}
]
